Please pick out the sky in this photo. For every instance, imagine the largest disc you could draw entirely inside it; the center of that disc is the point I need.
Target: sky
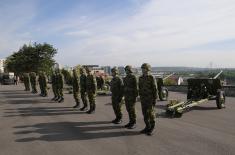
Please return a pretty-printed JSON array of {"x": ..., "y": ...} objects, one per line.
[{"x": 191, "y": 33}]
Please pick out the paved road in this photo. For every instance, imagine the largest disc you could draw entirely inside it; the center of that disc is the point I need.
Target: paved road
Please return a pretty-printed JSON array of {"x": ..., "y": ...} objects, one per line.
[{"x": 32, "y": 125}]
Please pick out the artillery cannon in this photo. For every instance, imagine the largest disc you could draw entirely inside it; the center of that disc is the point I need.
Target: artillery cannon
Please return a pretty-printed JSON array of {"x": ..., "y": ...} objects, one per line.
[
  {"x": 199, "y": 91},
  {"x": 162, "y": 90}
]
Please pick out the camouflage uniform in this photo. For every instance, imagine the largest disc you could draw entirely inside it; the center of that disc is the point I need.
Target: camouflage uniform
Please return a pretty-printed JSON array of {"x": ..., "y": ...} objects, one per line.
[
  {"x": 148, "y": 96},
  {"x": 91, "y": 88},
  {"x": 117, "y": 94},
  {"x": 76, "y": 89},
  {"x": 33, "y": 80},
  {"x": 53, "y": 85},
  {"x": 130, "y": 94},
  {"x": 59, "y": 86},
  {"x": 42, "y": 80},
  {"x": 26, "y": 81},
  {"x": 83, "y": 88}
]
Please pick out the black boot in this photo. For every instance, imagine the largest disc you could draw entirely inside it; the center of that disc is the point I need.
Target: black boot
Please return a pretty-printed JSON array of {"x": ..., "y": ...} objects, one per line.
[
  {"x": 77, "y": 105},
  {"x": 150, "y": 131},
  {"x": 144, "y": 130},
  {"x": 132, "y": 125},
  {"x": 127, "y": 125},
  {"x": 84, "y": 108},
  {"x": 61, "y": 100}
]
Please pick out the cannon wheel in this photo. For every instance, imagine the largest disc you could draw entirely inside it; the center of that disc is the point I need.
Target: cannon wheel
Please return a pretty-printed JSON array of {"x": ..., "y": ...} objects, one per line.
[
  {"x": 164, "y": 94},
  {"x": 220, "y": 100}
]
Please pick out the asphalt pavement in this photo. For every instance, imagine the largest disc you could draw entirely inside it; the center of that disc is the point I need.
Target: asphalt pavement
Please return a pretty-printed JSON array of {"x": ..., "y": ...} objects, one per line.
[{"x": 34, "y": 125}]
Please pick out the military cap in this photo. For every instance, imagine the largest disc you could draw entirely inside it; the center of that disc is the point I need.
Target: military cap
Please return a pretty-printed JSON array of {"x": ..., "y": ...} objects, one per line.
[
  {"x": 114, "y": 69},
  {"x": 129, "y": 68},
  {"x": 146, "y": 66}
]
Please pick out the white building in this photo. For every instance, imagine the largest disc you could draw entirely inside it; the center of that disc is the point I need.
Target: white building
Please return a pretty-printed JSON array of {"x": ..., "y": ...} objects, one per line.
[{"x": 2, "y": 61}]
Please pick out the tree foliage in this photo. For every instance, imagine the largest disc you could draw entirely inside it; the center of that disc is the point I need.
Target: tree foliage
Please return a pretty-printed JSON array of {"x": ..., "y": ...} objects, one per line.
[{"x": 32, "y": 58}]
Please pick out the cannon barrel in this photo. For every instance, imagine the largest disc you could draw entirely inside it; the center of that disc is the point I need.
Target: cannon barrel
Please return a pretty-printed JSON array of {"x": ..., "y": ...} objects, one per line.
[
  {"x": 168, "y": 76},
  {"x": 217, "y": 75}
]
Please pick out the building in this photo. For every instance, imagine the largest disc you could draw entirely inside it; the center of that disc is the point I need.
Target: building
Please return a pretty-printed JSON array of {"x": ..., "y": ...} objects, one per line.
[
  {"x": 107, "y": 69},
  {"x": 2, "y": 62}
]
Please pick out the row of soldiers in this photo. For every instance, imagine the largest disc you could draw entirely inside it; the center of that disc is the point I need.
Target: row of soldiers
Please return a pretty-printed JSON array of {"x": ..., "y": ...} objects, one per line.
[
  {"x": 30, "y": 79},
  {"x": 126, "y": 89}
]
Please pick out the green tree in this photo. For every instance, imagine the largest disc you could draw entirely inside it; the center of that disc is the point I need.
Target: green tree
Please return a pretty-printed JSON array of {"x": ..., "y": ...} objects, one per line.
[{"x": 32, "y": 58}]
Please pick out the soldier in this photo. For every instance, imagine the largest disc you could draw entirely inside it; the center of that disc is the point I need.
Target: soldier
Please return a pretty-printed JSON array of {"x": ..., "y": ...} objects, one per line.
[
  {"x": 117, "y": 94},
  {"x": 59, "y": 86},
  {"x": 130, "y": 94},
  {"x": 42, "y": 80},
  {"x": 91, "y": 88},
  {"x": 148, "y": 96},
  {"x": 83, "y": 88},
  {"x": 53, "y": 85},
  {"x": 26, "y": 81},
  {"x": 33, "y": 80},
  {"x": 76, "y": 89}
]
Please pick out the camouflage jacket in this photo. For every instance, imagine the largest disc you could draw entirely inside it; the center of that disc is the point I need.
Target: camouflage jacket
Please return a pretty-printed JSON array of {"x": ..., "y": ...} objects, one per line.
[
  {"x": 42, "y": 79},
  {"x": 33, "y": 77},
  {"x": 83, "y": 83},
  {"x": 75, "y": 84},
  {"x": 116, "y": 87},
  {"x": 59, "y": 80},
  {"x": 147, "y": 88},
  {"x": 130, "y": 86},
  {"x": 91, "y": 85}
]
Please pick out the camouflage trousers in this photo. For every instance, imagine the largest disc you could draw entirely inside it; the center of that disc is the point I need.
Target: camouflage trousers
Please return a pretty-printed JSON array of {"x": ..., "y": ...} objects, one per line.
[
  {"x": 76, "y": 96},
  {"x": 43, "y": 89},
  {"x": 148, "y": 113},
  {"x": 26, "y": 84},
  {"x": 91, "y": 98},
  {"x": 59, "y": 92},
  {"x": 84, "y": 98},
  {"x": 130, "y": 107},
  {"x": 34, "y": 89},
  {"x": 117, "y": 107},
  {"x": 54, "y": 90}
]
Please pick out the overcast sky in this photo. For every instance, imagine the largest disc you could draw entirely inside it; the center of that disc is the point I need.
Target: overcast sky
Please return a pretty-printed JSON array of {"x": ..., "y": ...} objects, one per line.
[{"x": 197, "y": 33}]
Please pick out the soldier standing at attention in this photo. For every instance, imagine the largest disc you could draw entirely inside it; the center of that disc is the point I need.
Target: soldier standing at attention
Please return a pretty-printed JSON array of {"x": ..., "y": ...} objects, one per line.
[
  {"x": 83, "y": 88},
  {"x": 26, "y": 81},
  {"x": 42, "y": 80},
  {"x": 59, "y": 86},
  {"x": 130, "y": 94},
  {"x": 76, "y": 89},
  {"x": 53, "y": 85},
  {"x": 33, "y": 80},
  {"x": 117, "y": 94},
  {"x": 91, "y": 88},
  {"x": 148, "y": 96}
]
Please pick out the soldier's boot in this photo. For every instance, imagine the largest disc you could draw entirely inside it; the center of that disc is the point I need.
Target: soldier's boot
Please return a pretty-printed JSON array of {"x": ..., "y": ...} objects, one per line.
[
  {"x": 132, "y": 125},
  {"x": 84, "y": 108},
  {"x": 150, "y": 131},
  {"x": 115, "y": 120},
  {"x": 57, "y": 98},
  {"x": 61, "y": 100},
  {"x": 89, "y": 111},
  {"x": 92, "y": 109},
  {"x": 145, "y": 129},
  {"x": 118, "y": 121},
  {"x": 77, "y": 105},
  {"x": 53, "y": 99},
  {"x": 127, "y": 125}
]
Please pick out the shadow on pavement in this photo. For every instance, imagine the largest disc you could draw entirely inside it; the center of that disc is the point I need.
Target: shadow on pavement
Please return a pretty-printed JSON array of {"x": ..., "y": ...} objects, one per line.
[
  {"x": 41, "y": 111},
  {"x": 67, "y": 131}
]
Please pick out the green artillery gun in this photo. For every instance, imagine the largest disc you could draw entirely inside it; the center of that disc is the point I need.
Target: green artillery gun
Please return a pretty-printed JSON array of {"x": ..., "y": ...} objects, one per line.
[
  {"x": 199, "y": 91},
  {"x": 162, "y": 90}
]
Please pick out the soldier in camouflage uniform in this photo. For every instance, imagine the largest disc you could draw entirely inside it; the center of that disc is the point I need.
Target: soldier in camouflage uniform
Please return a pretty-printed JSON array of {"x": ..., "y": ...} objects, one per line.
[
  {"x": 42, "y": 80},
  {"x": 117, "y": 94},
  {"x": 130, "y": 94},
  {"x": 59, "y": 86},
  {"x": 91, "y": 88},
  {"x": 26, "y": 81},
  {"x": 83, "y": 88},
  {"x": 148, "y": 96},
  {"x": 53, "y": 85},
  {"x": 33, "y": 79},
  {"x": 76, "y": 89}
]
